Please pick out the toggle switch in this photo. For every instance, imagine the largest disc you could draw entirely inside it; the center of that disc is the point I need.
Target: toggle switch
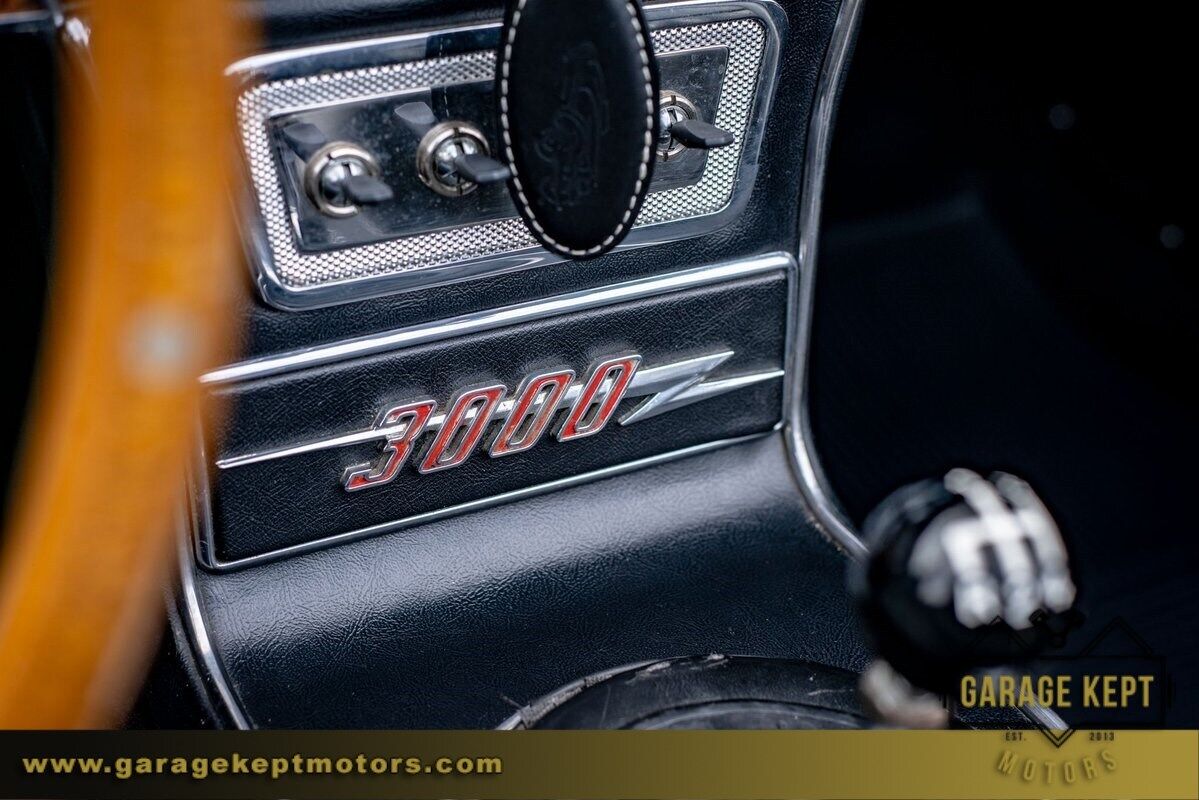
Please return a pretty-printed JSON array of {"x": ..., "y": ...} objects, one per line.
[
  {"x": 681, "y": 129},
  {"x": 701, "y": 135},
  {"x": 453, "y": 158},
  {"x": 339, "y": 177}
]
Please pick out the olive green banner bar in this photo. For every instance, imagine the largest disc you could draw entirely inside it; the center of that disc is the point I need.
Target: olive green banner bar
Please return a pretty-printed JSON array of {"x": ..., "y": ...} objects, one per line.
[{"x": 601, "y": 764}]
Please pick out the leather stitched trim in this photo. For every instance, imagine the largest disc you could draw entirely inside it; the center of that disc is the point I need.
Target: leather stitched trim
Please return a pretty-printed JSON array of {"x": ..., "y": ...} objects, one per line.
[{"x": 646, "y": 150}]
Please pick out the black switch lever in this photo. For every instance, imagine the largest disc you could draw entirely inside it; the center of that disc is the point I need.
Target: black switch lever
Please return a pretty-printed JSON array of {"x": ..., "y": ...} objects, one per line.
[
  {"x": 366, "y": 190},
  {"x": 681, "y": 128},
  {"x": 481, "y": 169},
  {"x": 303, "y": 138},
  {"x": 701, "y": 135},
  {"x": 417, "y": 117}
]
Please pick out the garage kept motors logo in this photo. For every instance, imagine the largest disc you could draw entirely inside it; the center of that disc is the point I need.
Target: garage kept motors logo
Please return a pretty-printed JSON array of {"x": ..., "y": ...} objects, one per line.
[
  {"x": 1113, "y": 681},
  {"x": 489, "y": 418},
  {"x": 1079, "y": 702}
]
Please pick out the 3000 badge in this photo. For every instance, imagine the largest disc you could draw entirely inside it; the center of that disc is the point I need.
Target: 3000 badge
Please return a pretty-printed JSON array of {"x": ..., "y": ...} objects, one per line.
[{"x": 502, "y": 423}]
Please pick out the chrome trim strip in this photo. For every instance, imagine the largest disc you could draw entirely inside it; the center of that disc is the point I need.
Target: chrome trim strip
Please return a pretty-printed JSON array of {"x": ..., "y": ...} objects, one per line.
[
  {"x": 495, "y": 318},
  {"x": 693, "y": 392},
  {"x": 812, "y": 483},
  {"x": 27, "y": 20},
  {"x": 257, "y": 65},
  {"x": 260, "y": 64},
  {"x": 197, "y": 631},
  {"x": 209, "y": 560}
]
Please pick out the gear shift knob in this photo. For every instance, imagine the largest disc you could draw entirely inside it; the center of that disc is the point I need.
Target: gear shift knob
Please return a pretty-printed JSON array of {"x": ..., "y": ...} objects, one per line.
[{"x": 963, "y": 573}]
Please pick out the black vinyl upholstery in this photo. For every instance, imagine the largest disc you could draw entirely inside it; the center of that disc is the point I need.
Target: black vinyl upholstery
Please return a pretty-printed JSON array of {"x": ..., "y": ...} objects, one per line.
[{"x": 456, "y": 623}]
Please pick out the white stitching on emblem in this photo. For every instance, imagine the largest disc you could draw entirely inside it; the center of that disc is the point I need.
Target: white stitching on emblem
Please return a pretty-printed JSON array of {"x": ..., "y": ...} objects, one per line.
[{"x": 646, "y": 150}]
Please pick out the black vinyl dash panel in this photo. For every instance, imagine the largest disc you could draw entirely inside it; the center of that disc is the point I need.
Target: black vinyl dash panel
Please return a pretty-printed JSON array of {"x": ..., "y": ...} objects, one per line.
[
  {"x": 454, "y": 622},
  {"x": 261, "y": 508}
]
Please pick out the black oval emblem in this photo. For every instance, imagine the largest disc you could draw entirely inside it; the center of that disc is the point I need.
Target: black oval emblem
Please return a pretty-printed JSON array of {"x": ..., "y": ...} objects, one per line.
[{"x": 578, "y": 93}]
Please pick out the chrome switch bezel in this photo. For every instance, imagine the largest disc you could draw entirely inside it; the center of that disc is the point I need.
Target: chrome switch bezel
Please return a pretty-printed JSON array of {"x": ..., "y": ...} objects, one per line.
[{"x": 357, "y": 272}]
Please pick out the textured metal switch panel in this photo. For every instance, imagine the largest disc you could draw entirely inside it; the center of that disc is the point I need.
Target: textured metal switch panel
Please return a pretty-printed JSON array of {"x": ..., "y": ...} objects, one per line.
[{"x": 292, "y": 273}]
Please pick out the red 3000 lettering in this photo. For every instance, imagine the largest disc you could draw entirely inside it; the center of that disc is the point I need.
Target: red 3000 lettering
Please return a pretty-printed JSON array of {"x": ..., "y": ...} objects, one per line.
[{"x": 458, "y": 431}]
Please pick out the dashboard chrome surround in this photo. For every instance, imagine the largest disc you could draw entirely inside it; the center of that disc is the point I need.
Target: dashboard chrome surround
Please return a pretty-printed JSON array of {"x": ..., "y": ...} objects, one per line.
[
  {"x": 812, "y": 483},
  {"x": 276, "y": 84},
  {"x": 196, "y": 547}
]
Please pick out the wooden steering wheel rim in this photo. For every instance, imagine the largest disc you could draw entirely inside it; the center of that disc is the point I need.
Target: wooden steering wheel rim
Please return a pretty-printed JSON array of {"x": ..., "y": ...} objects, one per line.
[{"x": 145, "y": 263}]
